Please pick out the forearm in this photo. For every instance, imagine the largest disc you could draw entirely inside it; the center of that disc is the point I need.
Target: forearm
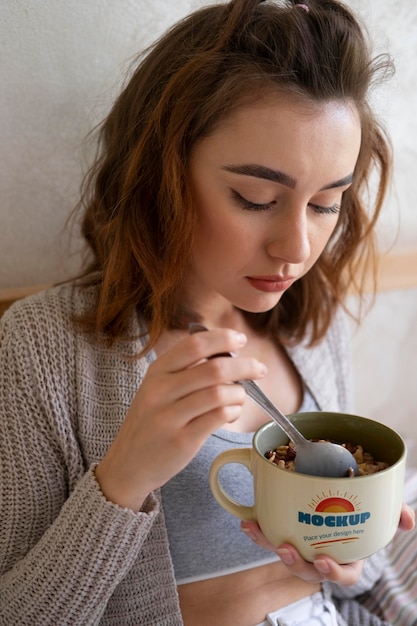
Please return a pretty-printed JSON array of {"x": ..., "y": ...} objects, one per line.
[{"x": 70, "y": 574}]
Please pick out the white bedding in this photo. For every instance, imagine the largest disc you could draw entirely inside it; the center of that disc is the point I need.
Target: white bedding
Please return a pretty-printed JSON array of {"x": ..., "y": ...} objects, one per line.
[{"x": 394, "y": 597}]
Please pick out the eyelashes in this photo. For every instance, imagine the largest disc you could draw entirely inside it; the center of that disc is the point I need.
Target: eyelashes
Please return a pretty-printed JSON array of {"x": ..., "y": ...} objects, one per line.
[
  {"x": 253, "y": 206},
  {"x": 335, "y": 208},
  {"x": 250, "y": 206}
]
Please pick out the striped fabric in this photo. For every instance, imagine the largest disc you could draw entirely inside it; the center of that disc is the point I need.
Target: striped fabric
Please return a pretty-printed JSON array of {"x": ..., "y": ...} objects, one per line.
[{"x": 394, "y": 597}]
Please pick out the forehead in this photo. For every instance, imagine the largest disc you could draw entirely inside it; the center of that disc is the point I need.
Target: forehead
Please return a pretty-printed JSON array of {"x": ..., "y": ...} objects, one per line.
[
  {"x": 280, "y": 110},
  {"x": 297, "y": 136}
]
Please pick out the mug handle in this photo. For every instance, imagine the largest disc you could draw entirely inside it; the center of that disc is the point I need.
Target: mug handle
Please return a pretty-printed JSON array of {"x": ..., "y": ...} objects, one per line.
[{"x": 242, "y": 456}]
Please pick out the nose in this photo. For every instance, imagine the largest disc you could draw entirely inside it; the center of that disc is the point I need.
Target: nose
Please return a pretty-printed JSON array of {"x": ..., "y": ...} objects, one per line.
[{"x": 289, "y": 238}]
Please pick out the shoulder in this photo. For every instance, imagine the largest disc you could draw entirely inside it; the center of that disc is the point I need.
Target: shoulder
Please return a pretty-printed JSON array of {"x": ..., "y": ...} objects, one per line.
[
  {"x": 50, "y": 362},
  {"x": 56, "y": 304},
  {"x": 43, "y": 323},
  {"x": 56, "y": 308},
  {"x": 40, "y": 327},
  {"x": 38, "y": 339},
  {"x": 36, "y": 319}
]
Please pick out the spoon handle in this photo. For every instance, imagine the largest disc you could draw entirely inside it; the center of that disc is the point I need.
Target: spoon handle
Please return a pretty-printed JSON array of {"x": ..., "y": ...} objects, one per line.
[{"x": 256, "y": 394}]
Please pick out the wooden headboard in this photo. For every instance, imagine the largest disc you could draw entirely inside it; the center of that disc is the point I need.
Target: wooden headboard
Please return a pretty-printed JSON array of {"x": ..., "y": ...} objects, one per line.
[{"x": 397, "y": 270}]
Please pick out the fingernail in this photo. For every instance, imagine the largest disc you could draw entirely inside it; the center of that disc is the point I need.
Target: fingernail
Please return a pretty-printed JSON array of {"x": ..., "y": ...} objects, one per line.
[
  {"x": 262, "y": 369},
  {"x": 285, "y": 556},
  {"x": 241, "y": 338},
  {"x": 322, "y": 566},
  {"x": 248, "y": 532}
]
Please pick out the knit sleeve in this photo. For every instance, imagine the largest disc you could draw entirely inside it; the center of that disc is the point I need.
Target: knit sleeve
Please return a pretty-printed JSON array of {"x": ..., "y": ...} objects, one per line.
[{"x": 63, "y": 547}]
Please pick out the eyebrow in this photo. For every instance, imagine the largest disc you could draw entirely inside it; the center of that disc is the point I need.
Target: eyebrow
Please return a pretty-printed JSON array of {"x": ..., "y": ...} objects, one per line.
[{"x": 266, "y": 173}]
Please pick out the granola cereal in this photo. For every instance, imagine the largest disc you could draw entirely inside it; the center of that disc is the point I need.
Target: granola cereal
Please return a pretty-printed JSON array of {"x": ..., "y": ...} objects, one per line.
[{"x": 284, "y": 457}]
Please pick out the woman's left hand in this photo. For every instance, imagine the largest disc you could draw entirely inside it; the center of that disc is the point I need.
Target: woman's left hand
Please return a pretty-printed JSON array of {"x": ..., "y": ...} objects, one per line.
[{"x": 323, "y": 567}]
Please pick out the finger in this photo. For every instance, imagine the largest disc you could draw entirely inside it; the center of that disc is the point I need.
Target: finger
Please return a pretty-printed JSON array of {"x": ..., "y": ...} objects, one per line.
[
  {"x": 206, "y": 375},
  {"x": 253, "y": 532},
  {"x": 297, "y": 565},
  {"x": 346, "y": 575},
  {"x": 213, "y": 401},
  {"x": 287, "y": 553},
  {"x": 200, "y": 428},
  {"x": 220, "y": 371},
  {"x": 199, "y": 346},
  {"x": 322, "y": 568},
  {"x": 407, "y": 519}
]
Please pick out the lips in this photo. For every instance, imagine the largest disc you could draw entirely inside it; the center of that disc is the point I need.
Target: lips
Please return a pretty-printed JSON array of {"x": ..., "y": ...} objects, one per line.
[{"x": 271, "y": 284}]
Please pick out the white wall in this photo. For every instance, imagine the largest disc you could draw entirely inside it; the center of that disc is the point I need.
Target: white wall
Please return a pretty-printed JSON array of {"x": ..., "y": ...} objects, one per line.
[
  {"x": 385, "y": 362},
  {"x": 393, "y": 27},
  {"x": 60, "y": 67}
]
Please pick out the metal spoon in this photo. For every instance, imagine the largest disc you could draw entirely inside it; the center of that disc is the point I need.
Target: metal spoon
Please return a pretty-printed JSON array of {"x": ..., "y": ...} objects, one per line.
[{"x": 317, "y": 458}]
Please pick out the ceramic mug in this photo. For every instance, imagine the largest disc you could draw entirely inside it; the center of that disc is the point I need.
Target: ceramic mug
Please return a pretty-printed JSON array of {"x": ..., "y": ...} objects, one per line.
[{"x": 345, "y": 518}]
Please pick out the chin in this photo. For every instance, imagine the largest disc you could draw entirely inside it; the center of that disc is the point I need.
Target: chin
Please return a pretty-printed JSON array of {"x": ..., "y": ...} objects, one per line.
[{"x": 259, "y": 307}]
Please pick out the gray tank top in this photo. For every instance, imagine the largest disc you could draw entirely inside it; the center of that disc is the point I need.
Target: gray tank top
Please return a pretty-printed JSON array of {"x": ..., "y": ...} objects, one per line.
[{"x": 206, "y": 541}]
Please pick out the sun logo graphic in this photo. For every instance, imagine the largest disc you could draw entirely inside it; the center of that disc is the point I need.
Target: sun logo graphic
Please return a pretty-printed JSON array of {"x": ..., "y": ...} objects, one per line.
[
  {"x": 339, "y": 518},
  {"x": 335, "y": 504}
]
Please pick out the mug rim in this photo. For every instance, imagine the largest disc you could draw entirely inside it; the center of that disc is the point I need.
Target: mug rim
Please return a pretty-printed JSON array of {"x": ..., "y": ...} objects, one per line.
[{"x": 364, "y": 420}]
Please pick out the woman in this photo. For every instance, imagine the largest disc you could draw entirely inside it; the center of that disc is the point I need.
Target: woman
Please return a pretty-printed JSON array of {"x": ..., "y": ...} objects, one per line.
[{"x": 228, "y": 191}]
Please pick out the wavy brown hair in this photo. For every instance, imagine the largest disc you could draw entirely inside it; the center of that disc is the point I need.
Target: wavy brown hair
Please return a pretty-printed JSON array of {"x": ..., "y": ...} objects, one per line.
[{"x": 138, "y": 218}]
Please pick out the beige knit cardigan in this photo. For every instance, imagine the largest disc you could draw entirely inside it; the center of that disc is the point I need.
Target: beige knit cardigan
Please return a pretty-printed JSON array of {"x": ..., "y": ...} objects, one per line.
[{"x": 68, "y": 556}]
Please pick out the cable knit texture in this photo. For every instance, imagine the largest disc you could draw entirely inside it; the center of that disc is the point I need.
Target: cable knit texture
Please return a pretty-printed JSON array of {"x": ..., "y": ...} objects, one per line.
[{"x": 67, "y": 555}]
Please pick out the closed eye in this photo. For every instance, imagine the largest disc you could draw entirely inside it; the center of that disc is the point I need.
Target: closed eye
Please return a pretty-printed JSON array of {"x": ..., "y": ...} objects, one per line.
[
  {"x": 250, "y": 206},
  {"x": 254, "y": 206},
  {"x": 334, "y": 209}
]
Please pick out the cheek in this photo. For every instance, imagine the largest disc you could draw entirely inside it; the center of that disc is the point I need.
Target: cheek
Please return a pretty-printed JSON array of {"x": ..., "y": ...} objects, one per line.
[
  {"x": 321, "y": 235},
  {"x": 210, "y": 240},
  {"x": 218, "y": 226},
  {"x": 209, "y": 233}
]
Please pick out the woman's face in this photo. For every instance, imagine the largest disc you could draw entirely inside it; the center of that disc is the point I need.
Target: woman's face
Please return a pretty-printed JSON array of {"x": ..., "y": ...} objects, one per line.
[{"x": 267, "y": 186}]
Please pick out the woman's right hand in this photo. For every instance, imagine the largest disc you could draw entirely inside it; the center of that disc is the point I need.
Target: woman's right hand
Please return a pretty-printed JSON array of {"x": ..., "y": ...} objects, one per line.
[{"x": 183, "y": 399}]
